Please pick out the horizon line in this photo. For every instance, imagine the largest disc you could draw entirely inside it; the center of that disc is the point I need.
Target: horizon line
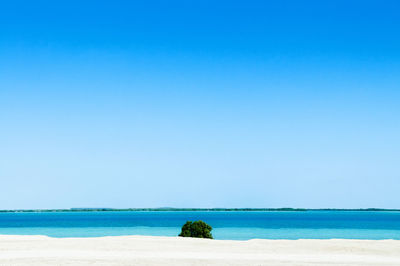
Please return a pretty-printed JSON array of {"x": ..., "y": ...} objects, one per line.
[{"x": 196, "y": 209}]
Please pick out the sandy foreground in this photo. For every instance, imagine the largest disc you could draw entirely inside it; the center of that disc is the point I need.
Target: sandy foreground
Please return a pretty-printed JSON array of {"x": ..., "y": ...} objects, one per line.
[{"x": 143, "y": 250}]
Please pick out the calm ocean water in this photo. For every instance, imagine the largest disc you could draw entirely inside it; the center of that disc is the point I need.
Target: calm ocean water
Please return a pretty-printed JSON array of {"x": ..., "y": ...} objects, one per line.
[{"x": 226, "y": 225}]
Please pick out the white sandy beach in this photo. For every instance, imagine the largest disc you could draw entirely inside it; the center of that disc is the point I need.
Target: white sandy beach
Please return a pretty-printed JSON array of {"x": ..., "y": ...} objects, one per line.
[{"x": 142, "y": 250}]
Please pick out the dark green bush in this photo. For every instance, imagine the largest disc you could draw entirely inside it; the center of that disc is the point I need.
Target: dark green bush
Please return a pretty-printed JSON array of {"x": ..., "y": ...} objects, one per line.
[{"x": 197, "y": 229}]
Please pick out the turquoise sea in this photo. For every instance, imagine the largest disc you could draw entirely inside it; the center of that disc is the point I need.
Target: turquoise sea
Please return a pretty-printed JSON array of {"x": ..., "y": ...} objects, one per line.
[{"x": 236, "y": 225}]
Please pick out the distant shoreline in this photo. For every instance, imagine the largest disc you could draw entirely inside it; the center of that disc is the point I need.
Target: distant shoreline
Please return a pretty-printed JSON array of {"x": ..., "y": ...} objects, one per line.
[{"x": 191, "y": 209}]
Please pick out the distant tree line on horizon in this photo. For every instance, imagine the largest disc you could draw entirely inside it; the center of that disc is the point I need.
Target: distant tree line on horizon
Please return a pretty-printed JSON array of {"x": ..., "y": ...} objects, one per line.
[{"x": 193, "y": 209}]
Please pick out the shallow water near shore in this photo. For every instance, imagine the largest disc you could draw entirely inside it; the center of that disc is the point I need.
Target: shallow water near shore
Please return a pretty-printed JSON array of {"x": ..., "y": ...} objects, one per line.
[{"x": 235, "y": 225}]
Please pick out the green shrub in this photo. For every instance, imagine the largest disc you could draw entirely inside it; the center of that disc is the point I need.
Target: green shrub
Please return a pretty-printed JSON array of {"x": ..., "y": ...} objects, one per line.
[{"x": 197, "y": 229}]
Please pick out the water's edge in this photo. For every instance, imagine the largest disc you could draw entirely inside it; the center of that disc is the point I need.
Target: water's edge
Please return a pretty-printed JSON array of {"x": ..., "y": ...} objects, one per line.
[{"x": 232, "y": 225}]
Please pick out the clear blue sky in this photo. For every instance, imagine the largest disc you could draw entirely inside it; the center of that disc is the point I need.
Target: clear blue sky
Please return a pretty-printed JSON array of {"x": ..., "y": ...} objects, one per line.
[{"x": 199, "y": 104}]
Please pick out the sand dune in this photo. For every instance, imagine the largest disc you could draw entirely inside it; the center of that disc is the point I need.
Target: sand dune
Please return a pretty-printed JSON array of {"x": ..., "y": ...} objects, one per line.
[{"x": 142, "y": 250}]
